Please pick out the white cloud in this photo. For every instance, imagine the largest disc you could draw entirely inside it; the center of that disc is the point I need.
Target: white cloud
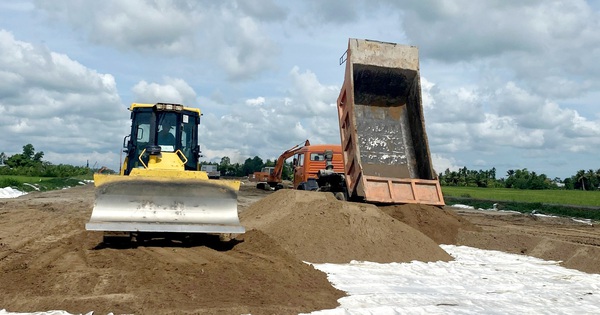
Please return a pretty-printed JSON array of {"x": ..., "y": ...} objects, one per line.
[
  {"x": 510, "y": 84},
  {"x": 227, "y": 32},
  {"x": 441, "y": 163},
  {"x": 310, "y": 97},
  {"x": 255, "y": 102},
  {"x": 216, "y": 155},
  {"x": 268, "y": 125},
  {"x": 55, "y": 103},
  {"x": 504, "y": 131},
  {"x": 174, "y": 90},
  {"x": 427, "y": 99},
  {"x": 459, "y": 105}
]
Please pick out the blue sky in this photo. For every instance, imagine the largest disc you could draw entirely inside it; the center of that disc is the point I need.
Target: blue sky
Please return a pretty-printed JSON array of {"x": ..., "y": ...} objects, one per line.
[{"x": 506, "y": 84}]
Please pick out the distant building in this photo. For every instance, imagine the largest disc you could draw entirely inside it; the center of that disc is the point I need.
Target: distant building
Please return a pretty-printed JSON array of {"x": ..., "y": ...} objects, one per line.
[{"x": 558, "y": 184}]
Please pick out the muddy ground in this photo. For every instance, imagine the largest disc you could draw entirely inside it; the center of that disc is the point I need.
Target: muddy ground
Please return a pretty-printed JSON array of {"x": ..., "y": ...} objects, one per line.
[{"x": 48, "y": 261}]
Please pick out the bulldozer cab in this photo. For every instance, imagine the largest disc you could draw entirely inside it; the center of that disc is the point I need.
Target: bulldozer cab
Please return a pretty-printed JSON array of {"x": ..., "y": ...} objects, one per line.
[{"x": 164, "y": 128}]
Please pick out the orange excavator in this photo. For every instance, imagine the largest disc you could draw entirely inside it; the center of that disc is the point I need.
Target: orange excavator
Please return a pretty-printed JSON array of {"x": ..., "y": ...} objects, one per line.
[{"x": 273, "y": 181}]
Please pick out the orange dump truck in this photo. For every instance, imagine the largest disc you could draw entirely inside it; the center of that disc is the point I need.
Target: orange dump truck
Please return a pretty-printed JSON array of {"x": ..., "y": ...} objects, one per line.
[
  {"x": 311, "y": 162},
  {"x": 382, "y": 129}
]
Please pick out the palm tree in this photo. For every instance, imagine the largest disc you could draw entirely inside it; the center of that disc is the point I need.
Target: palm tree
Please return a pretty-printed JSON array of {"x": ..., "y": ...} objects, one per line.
[
  {"x": 591, "y": 177},
  {"x": 580, "y": 176},
  {"x": 510, "y": 173}
]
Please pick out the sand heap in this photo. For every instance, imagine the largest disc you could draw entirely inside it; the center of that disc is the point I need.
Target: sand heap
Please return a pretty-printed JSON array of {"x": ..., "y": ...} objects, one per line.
[
  {"x": 317, "y": 228},
  {"x": 440, "y": 225},
  {"x": 48, "y": 262}
]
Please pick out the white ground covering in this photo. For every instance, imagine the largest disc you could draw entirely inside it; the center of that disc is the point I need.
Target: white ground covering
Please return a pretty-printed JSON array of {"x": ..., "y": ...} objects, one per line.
[
  {"x": 9, "y": 192},
  {"x": 476, "y": 282}
]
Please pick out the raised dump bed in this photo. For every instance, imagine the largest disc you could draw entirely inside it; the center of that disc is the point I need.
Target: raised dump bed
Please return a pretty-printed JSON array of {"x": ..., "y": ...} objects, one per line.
[{"x": 384, "y": 143}]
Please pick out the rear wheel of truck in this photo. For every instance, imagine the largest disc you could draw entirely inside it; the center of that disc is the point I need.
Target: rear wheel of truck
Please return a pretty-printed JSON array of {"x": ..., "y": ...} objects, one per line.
[{"x": 340, "y": 196}]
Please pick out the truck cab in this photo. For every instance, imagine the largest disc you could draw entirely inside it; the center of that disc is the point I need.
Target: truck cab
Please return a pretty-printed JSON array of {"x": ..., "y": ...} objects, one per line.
[{"x": 311, "y": 159}]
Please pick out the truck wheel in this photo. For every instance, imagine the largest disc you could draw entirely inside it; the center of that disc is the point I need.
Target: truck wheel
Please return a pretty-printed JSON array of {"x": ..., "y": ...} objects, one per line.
[{"x": 340, "y": 196}]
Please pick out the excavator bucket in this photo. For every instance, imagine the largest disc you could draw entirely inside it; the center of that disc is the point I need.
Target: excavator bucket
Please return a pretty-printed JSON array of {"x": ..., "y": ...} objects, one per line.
[{"x": 166, "y": 201}]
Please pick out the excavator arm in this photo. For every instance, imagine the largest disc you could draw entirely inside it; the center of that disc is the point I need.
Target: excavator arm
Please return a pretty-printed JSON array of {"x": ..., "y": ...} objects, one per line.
[{"x": 275, "y": 176}]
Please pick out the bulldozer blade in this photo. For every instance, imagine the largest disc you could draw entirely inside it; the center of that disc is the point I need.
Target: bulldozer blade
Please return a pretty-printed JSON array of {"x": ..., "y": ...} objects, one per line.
[{"x": 151, "y": 204}]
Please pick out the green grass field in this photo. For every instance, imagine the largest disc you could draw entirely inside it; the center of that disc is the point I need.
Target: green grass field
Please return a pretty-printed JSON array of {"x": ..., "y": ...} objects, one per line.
[
  {"x": 563, "y": 197},
  {"x": 32, "y": 183},
  {"x": 568, "y": 203}
]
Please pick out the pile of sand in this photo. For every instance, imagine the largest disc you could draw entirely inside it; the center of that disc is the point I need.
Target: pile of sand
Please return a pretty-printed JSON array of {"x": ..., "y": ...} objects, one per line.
[
  {"x": 48, "y": 261},
  {"x": 317, "y": 228},
  {"x": 440, "y": 225}
]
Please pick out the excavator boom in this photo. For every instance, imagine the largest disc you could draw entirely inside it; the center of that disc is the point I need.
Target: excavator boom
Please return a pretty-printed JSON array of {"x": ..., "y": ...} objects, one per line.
[{"x": 275, "y": 176}]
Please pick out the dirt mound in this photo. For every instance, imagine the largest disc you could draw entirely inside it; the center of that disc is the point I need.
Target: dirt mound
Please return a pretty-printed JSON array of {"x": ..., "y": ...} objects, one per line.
[
  {"x": 48, "y": 261},
  {"x": 440, "y": 225},
  {"x": 318, "y": 228}
]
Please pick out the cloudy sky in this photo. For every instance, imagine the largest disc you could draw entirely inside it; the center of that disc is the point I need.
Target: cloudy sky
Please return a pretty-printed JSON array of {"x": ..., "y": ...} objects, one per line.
[{"x": 506, "y": 84}]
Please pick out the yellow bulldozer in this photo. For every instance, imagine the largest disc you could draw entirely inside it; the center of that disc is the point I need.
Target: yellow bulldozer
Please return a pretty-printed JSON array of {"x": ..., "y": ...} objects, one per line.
[{"x": 160, "y": 188}]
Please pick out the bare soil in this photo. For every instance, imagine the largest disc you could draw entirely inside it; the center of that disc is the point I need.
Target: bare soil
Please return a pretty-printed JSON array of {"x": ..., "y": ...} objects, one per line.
[
  {"x": 318, "y": 228},
  {"x": 48, "y": 261}
]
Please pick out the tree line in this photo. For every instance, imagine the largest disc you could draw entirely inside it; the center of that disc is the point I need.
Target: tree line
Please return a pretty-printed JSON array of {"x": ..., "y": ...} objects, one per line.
[
  {"x": 250, "y": 165},
  {"x": 30, "y": 163},
  {"x": 519, "y": 179}
]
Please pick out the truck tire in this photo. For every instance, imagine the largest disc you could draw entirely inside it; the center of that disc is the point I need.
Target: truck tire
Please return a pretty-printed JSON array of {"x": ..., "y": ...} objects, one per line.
[{"x": 340, "y": 196}]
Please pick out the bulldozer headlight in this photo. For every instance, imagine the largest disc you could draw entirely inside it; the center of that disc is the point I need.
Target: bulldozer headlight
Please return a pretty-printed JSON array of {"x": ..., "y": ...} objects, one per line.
[{"x": 171, "y": 107}]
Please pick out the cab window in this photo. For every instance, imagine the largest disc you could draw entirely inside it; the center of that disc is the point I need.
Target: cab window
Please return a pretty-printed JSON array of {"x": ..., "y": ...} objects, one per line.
[
  {"x": 300, "y": 160},
  {"x": 317, "y": 157}
]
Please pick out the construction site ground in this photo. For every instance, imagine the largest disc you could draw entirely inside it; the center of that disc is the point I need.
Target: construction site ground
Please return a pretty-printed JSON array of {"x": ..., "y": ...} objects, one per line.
[{"x": 48, "y": 261}]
